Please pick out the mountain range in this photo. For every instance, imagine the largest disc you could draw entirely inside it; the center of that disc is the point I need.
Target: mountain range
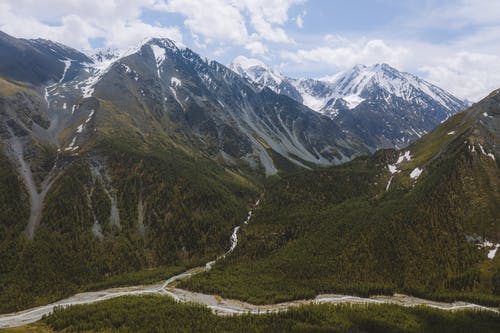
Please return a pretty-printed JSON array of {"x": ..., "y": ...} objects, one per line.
[
  {"x": 386, "y": 108},
  {"x": 122, "y": 166}
]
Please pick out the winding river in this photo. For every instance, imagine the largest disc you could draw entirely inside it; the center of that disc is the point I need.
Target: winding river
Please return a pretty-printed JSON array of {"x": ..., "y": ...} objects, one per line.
[{"x": 217, "y": 304}]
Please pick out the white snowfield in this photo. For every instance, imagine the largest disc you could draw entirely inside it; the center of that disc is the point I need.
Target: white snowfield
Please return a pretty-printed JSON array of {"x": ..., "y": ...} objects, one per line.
[{"x": 218, "y": 305}]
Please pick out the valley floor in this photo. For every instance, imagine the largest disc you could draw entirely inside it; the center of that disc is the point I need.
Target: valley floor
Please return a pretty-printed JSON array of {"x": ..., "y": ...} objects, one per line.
[
  {"x": 220, "y": 305},
  {"x": 163, "y": 314}
]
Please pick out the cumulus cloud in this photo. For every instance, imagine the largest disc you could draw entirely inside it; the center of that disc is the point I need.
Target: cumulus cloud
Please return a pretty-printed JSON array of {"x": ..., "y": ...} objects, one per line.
[
  {"x": 300, "y": 21},
  {"x": 212, "y": 19},
  {"x": 74, "y": 23},
  {"x": 248, "y": 24},
  {"x": 267, "y": 15},
  {"x": 348, "y": 54},
  {"x": 256, "y": 48},
  {"x": 466, "y": 74},
  {"x": 225, "y": 21}
]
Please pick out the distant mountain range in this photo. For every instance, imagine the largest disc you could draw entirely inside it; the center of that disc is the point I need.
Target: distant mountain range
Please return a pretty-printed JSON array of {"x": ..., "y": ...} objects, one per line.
[
  {"x": 216, "y": 108},
  {"x": 383, "y": 106}
]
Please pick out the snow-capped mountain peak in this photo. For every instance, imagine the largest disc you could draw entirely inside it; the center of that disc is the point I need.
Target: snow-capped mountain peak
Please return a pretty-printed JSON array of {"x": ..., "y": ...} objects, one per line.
[
  {"x": 395, "y": 106},
  {"x": 359, "y": 80},
  {"x": 257, "y": 72},
  {"x": 113, "y": 54}
]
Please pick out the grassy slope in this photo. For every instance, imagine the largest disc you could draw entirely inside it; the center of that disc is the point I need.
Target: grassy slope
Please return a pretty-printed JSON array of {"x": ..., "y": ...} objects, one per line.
[
  {"x": 160, "y": 314},
  {"x": 8, "y": 88},
  {"x": 337, "y": 230}
]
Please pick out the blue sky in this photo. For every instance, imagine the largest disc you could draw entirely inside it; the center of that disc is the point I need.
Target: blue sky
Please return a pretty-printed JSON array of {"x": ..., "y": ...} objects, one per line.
[{"x": 454, "y": 44}]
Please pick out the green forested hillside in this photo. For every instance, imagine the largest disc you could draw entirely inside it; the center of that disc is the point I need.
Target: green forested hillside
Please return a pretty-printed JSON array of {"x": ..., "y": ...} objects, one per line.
[
  {"x": 346, "y": 229},
  {"x": 189, "y": 206}
]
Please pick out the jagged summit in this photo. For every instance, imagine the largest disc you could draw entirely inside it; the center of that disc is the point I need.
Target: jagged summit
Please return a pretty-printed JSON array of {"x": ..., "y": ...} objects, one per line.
[
  {"x": 360, "y": 79},
  {"x": 113, "y": 53},
  {"x": 257, "y": 72}
]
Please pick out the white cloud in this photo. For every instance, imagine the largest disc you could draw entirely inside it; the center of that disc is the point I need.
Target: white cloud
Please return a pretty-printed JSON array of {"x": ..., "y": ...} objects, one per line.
[
  {"x": 215, "y": 20},
  {"x": 349, "y": 54},
  {"x": 226, "y": 20},
  {"x": 75, "y": 22},
  {"x": 266, "y": 15},
  {"x": 220, "y": 23},
  {"x": 299, "y": 20},
  {"x": 219, "y": 51},
  {"x": 256, "y": 48},
  {"x": 466, "y": 74},
  {"x": 466, "y": 12},
  {"x": 128, "y": 33}
]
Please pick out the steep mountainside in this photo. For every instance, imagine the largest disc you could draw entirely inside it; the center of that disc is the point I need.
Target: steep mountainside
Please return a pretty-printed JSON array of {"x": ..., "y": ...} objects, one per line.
[
  {"x": 385, "y": 107},
  {"x": 36, "y": 61},
  {"x": 424, "y": 220},
  {"x": 212, "y": 108},
  {"x": 134, "y": 160}
]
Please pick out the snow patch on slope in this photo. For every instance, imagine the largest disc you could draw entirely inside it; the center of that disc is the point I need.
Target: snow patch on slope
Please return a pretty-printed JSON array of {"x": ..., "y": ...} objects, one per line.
[
  {"x": 175, "y": 82},
  {"x": 490, "y": 155},
  {"x": 353, "y": 101},
  {"x": 160, "y": 56},
  {"x": 102, "y": 62},
  {"x": 491, "y": 246},
  {"x": 405, "y": 156},
  {"x": 415, "y": 173},
  {"x": 50, "y": 89}
]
